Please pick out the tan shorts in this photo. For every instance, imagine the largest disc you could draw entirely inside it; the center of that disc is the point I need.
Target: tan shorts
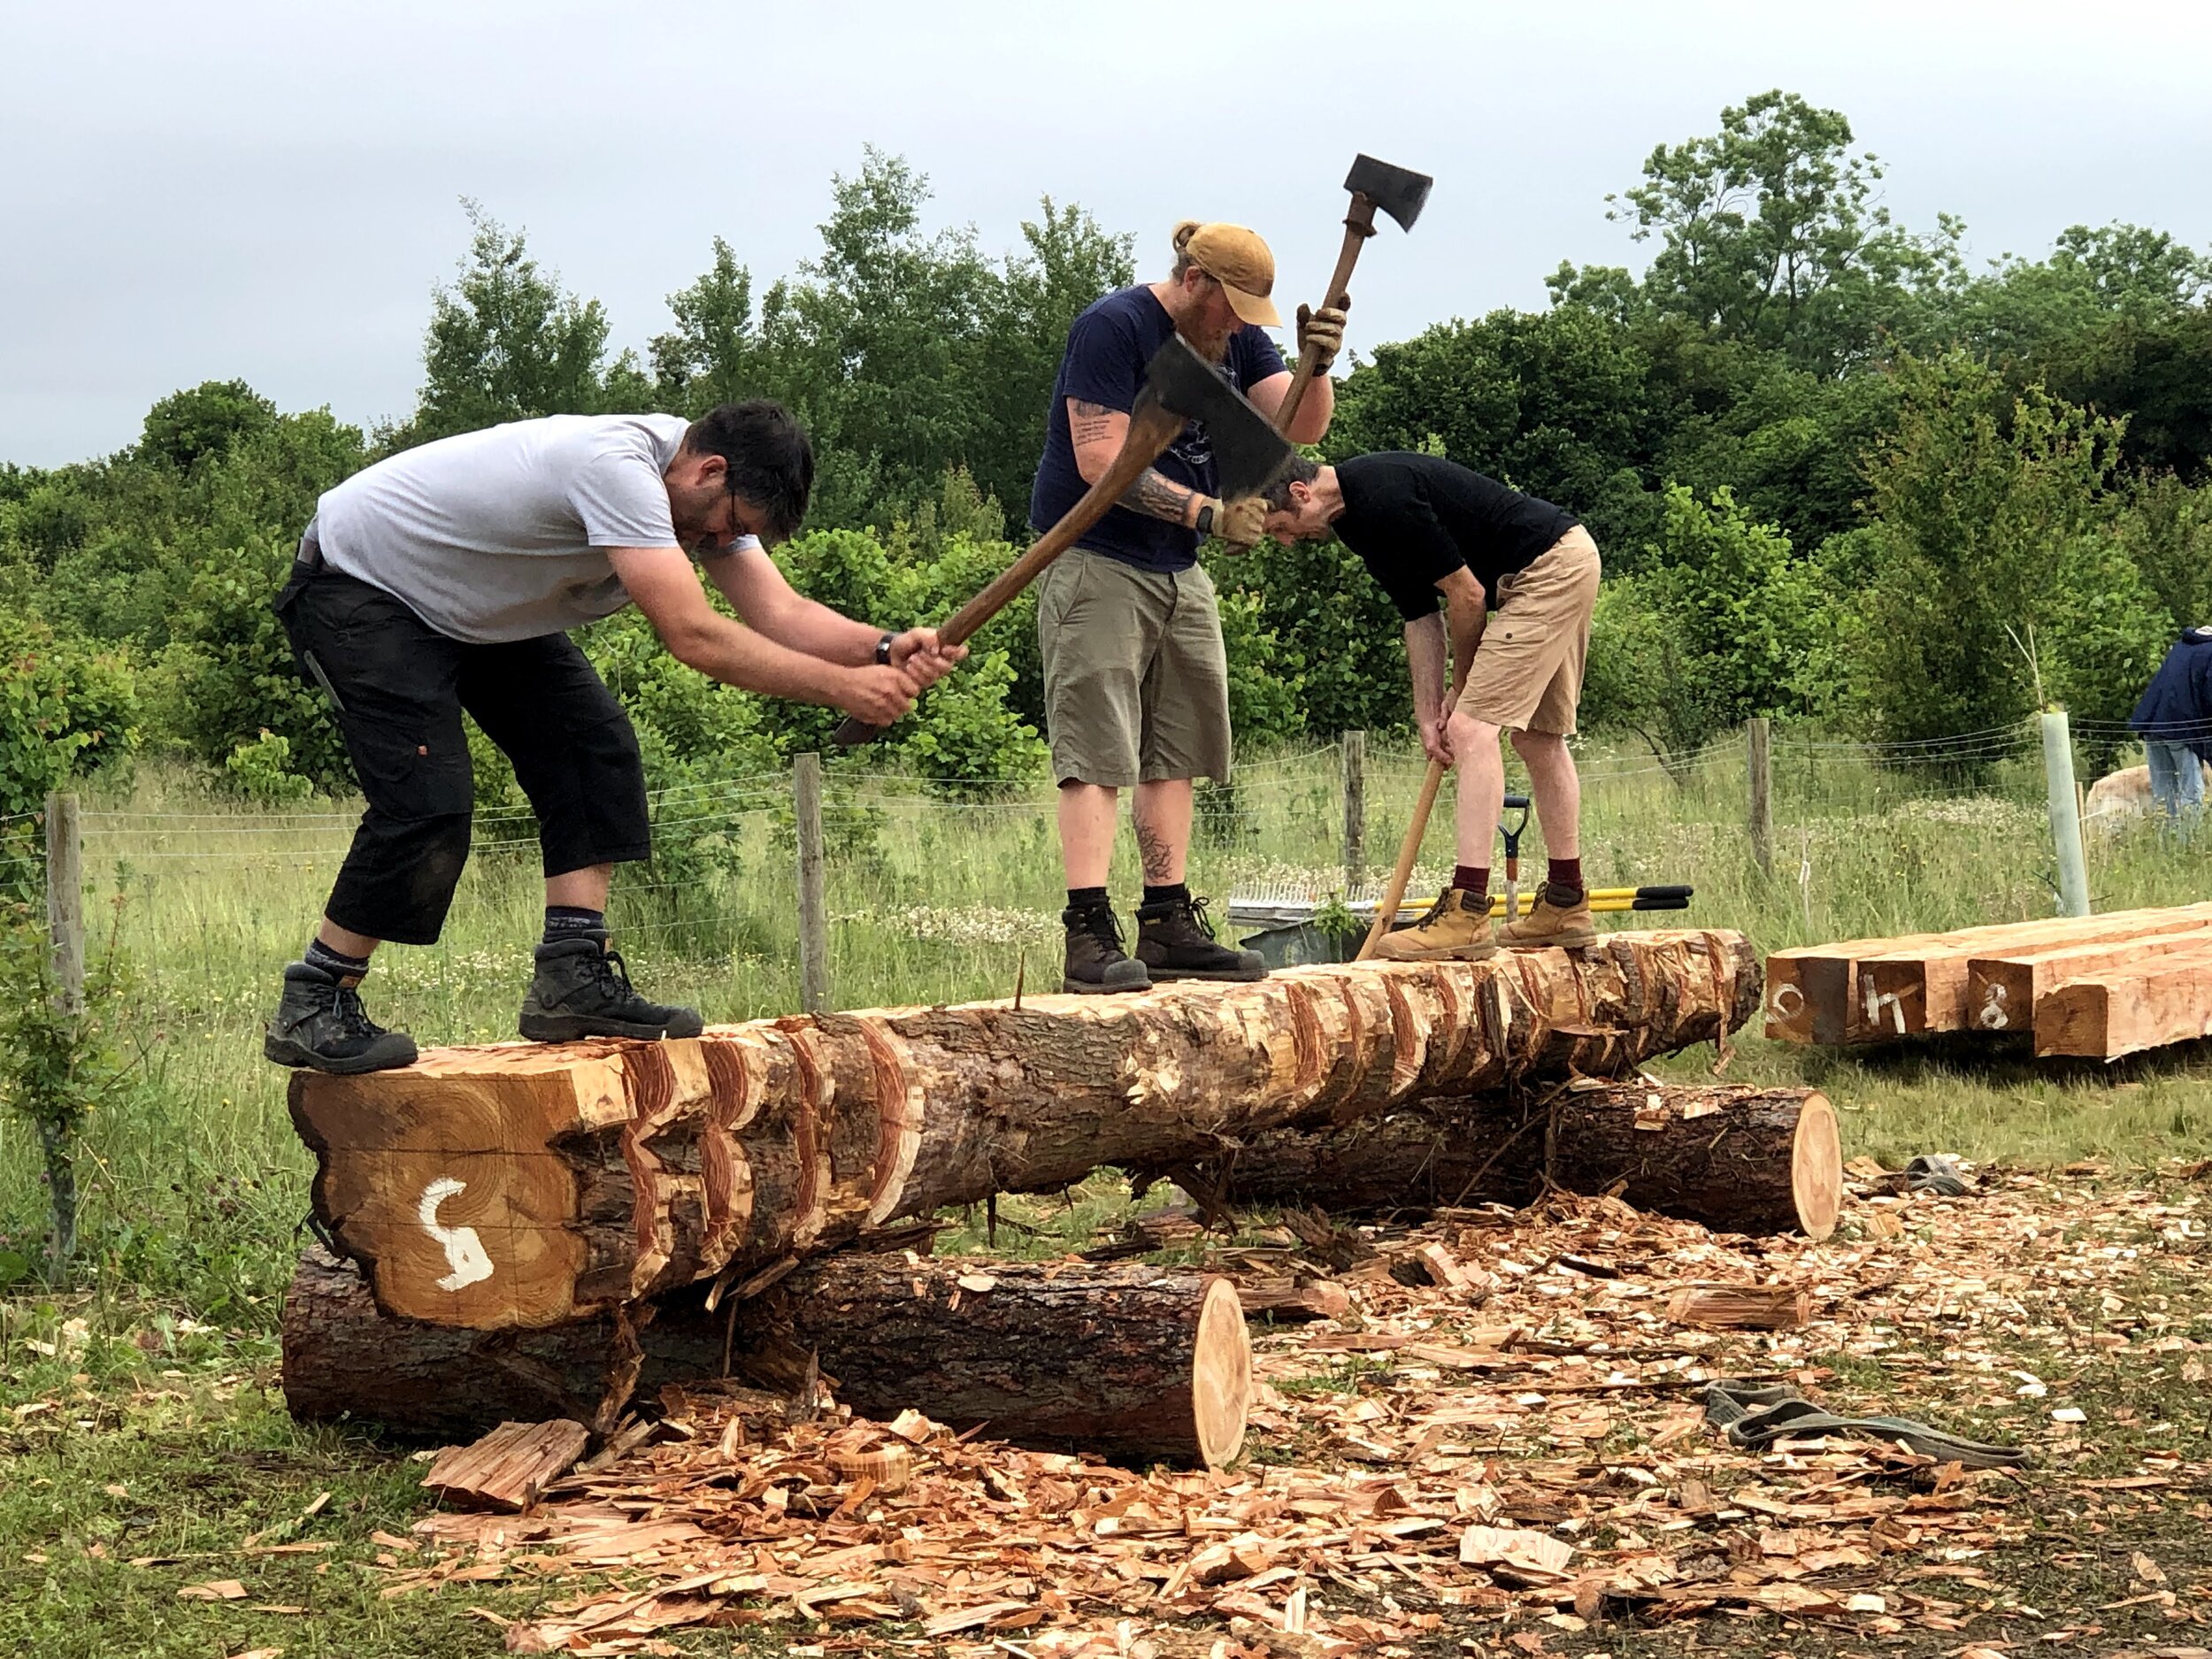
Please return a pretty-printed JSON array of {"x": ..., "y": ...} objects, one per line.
[
  {"x": 1527, "y": 675},
  {"x": 1136, "y": 678}
]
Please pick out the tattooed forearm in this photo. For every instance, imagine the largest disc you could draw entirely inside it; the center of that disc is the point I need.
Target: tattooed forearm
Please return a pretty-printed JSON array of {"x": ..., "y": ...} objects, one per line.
[{"x": 1158, "y": 495}]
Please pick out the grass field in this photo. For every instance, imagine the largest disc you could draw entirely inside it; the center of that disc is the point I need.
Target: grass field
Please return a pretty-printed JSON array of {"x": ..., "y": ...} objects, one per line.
[{"x": 142, "y": 1424}]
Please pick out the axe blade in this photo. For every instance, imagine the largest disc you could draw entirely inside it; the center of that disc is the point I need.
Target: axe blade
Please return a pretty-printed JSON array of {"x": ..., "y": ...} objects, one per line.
[
  {"x": 1248, "y": 453},
  {"x": 1396, "y": 191}
]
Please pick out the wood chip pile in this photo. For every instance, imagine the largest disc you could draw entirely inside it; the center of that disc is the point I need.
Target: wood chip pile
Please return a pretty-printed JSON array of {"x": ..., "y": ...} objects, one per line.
[{"x": 1500, "y": 1439}]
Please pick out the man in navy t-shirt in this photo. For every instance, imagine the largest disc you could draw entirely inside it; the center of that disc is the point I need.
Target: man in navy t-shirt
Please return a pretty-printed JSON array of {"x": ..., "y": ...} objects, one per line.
[{"x": 1136, "y": 678}]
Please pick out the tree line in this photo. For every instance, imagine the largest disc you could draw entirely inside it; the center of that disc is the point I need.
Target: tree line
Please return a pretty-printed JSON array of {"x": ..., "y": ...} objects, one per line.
[{"x": 1836, "y": 474}]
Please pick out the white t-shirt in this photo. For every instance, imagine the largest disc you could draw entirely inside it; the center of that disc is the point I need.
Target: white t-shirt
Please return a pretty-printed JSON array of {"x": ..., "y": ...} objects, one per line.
[{"x": 501, "y": 535}]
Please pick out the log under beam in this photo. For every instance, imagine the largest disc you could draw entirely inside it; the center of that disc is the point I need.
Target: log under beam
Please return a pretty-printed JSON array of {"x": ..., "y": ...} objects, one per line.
[
  {"x": 523, "y": 1186},
  {"x": 1130, "y": 1360},
  {"x": 1735, "y": 1159}
]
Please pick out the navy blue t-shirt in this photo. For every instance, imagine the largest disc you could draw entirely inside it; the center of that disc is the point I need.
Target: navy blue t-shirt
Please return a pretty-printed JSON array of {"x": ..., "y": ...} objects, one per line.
[{"x": 1108, "y": 349}]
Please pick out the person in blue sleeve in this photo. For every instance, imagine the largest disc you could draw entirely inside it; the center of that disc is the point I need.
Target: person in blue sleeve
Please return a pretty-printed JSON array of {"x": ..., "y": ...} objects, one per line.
[
  {"x": 1136, "y": 678},
  {"x": 2174, "y": 720}
]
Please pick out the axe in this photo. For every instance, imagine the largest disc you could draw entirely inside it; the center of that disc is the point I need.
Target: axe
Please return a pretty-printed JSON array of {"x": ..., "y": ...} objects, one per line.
[
  {"x": 1180, "y": 386},
  {"x": 1375, "y": 185}
]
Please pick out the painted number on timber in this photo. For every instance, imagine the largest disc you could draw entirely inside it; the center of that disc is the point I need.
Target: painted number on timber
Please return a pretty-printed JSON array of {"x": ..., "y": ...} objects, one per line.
[
  {"x": 464, "y": 1252},
  {"x": 1993, "y": 1017},
  {"x": 1786, "y": 1001},
  {"x": 1875, "y": 1003}
]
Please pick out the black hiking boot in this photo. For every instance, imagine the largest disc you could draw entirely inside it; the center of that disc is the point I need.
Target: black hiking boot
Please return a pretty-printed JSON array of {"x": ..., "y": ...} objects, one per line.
[
  {"x": 1176, "y": 942},
  {"x": 583, "y": 989},
  {"x": 321, "y": 1025},
  {"x": 1096, "y": 963}
]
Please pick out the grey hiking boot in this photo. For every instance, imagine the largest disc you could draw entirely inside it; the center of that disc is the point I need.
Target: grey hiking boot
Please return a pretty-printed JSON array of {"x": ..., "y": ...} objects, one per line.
[
  {"x": 1176, "y": 942},
  {"x": 583, "y": 989},
  {"x": 321, "y": 1025},
  {"x": 1095, "y": 960}
]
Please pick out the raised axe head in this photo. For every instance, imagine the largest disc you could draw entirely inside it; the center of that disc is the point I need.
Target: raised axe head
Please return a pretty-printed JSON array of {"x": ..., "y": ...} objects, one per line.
[
  {"x": 1398, "y": 192},
  {"x": 1249, "y": 454}
]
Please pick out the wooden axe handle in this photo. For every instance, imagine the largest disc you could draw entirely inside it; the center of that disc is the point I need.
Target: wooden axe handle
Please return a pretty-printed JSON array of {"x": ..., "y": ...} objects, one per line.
[
  {"x": 1386, "y": 912},
  {"x": 1359, "y": 225},
  {"x": 1151, "y": 429}
]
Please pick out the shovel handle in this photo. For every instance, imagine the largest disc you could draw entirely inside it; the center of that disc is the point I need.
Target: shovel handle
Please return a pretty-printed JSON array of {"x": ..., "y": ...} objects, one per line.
[
  {"x": 1408, "y": 851},
  {"x": 1359, "y": 225},
  {"x": 1152, "y": 427}
]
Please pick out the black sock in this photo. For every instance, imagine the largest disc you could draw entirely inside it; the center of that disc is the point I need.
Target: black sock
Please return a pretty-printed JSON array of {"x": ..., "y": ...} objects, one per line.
[
  {"x": 573, "y": 921},
  {"x": 335, "y": 962},
  {"x": 1474, "y": 881},
  {"x": 1180, "y": 893},
  {"x": 1088, "y": 899}
]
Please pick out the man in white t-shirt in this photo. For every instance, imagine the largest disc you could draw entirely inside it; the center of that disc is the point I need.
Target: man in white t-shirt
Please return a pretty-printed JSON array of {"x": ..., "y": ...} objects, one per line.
[{"x": 446, "y": 578}]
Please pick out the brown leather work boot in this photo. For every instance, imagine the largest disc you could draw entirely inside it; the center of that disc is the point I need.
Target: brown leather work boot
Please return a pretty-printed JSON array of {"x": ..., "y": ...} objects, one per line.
[
  {"x": 1453, "y": 931},
  {"x": 1547, "y": 923}
]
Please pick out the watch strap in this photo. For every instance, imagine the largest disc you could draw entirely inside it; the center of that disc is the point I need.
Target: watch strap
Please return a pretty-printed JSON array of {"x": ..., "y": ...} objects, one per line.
[
  {"x": 1205, "y": 523},
  {"x": 883, "y": 647}
]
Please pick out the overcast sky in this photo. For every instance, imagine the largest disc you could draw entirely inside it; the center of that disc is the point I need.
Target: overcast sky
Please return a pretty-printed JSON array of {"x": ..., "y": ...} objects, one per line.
[{"x": 271, "y": 190}]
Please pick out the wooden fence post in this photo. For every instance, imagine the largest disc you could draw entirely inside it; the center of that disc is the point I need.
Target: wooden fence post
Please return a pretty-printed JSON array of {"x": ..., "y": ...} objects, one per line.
[
  {"x": 1353, "y": 749},
  {"x": 64, "y": 926},
  {"x": 65, "y": 901},
  {"x": 2058, "y": 773},
  {"x": 1758, "y": 735},
  {"x": 814, "y": 978}
]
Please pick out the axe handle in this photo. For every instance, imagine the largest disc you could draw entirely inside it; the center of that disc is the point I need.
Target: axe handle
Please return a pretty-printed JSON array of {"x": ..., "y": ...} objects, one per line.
[
  {"x": 1386, "y": 912},
  {"x": 1152, "y": 427},
  {"x": 1359, "y": 225}
]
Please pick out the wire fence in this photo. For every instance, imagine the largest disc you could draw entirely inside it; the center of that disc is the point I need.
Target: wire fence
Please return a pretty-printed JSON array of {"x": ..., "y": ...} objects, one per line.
[{"x": 1854, "y": 833}]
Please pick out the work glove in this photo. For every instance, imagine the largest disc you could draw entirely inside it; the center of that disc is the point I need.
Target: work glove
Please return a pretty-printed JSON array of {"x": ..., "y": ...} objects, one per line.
[
  {"x": 1321, "y": 331},
  {"x": 1238, "y": 522}
]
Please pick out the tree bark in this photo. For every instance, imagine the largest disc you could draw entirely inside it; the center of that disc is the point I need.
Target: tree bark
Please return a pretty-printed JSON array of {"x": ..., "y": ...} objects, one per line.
[
  {"x": 1735, "y": 1159},
  {"x": 528, "y": 1185},
  {"x": 1129, "y": 1359}
]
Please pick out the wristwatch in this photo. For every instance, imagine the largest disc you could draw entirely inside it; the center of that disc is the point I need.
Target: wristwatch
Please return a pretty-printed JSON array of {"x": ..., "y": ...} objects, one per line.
[
  {"x": 883, "y": 649},
  {"x": 1204, "y": 524}
]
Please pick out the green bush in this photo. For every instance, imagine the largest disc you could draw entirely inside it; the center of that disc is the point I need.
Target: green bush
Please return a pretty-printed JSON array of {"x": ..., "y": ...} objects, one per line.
[
  {"x": 1996, "y": 525},
  {"x": 66, "y": 707},
  {"x": 1720, "y": 625},
  {"x": 261, "y": 770}
]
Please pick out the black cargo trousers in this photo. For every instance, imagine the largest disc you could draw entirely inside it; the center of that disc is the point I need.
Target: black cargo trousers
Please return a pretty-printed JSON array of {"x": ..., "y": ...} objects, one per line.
[{"x": 399, "y": 687}]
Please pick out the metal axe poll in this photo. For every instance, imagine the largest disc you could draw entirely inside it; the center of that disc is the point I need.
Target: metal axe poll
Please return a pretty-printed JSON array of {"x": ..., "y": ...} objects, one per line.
[
  {"x": 1375, "y": 186},
  {"x": 1179, "y": 386}
]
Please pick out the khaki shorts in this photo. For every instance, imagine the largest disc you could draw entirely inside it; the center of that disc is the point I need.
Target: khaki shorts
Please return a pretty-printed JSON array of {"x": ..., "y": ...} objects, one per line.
[
  {"x": 1527, "y": 675},
  {"x": 1136, "y": 679}
]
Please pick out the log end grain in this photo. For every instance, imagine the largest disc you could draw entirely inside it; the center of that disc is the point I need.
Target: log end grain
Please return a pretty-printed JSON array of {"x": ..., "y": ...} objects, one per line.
[
  {"x": 1221, "y": 1376},
  {"x": 1816, "y": 1167}
]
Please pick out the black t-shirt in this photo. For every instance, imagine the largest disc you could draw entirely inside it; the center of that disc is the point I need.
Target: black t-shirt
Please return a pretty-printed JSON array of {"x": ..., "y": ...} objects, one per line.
[
  {"x": 1108, "y": 349},
  {"x": 1415, "y": 519}
]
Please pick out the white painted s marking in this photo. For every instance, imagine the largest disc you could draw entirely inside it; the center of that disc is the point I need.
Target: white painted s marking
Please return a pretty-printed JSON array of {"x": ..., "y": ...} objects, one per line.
[{"x": 464, "y": 1252}]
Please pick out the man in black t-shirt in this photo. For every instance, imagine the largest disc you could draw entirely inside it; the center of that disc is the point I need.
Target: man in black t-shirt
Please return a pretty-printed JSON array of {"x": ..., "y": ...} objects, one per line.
[
  {"x": 1136, "y": 678},
  {"x": 1445, "y": 542}
]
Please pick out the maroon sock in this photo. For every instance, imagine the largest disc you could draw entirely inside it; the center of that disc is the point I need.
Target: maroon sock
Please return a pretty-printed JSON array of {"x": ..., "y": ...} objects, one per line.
[
  {"x": 1468, "y": 879},
  {"x": 1563, "y": 881}
]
